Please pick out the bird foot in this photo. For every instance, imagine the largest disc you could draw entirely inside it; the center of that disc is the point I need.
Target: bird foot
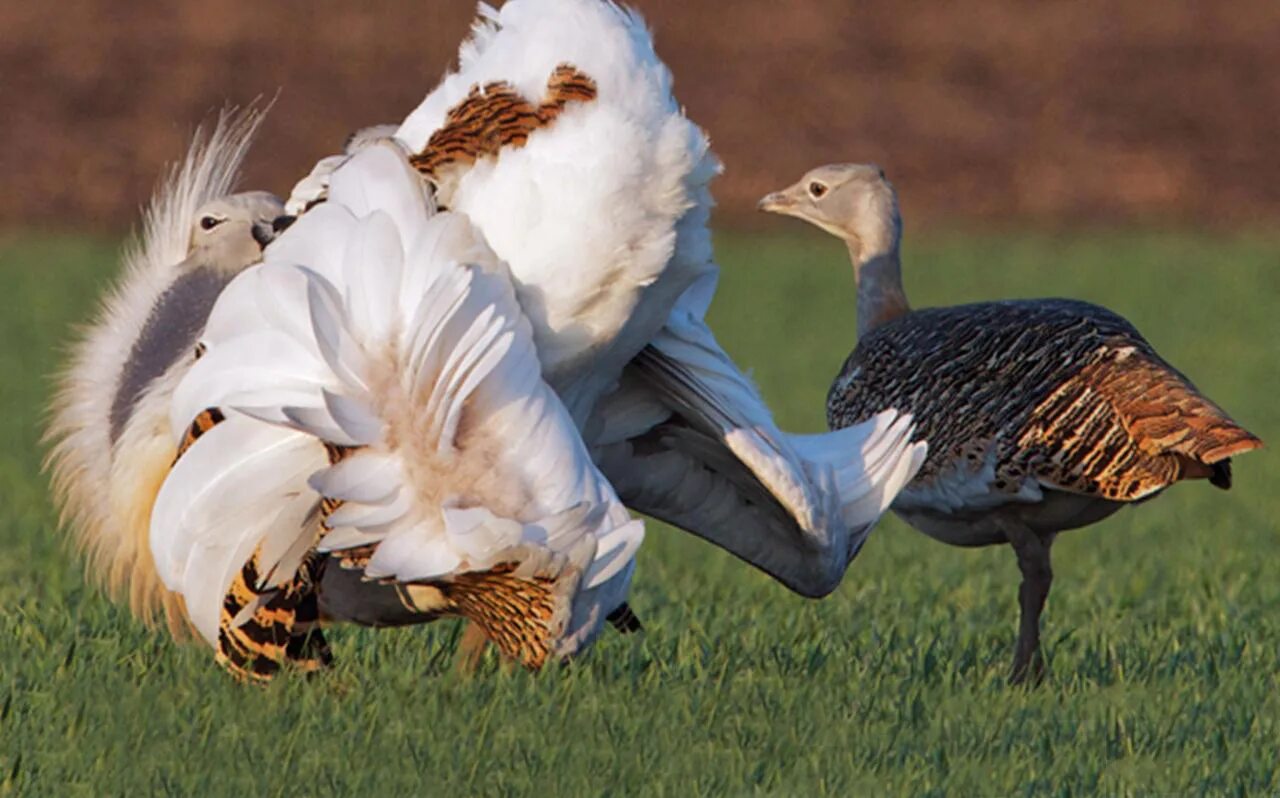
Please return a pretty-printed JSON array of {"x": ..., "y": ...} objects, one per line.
[
  {"x": 471, "y": 649},
  {"x": 1028, "y": 671}
]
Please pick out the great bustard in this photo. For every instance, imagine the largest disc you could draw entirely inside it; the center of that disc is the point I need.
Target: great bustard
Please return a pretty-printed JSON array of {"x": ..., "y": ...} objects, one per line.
[
  {"x": 379, "y": 402},
  {"x": 1041, "y": 416}
]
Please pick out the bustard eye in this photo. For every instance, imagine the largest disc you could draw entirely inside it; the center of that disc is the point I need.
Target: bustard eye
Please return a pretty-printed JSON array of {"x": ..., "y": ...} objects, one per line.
[
  {"x": 209, "y": 222},
  {"x": 816, "y": 189}
]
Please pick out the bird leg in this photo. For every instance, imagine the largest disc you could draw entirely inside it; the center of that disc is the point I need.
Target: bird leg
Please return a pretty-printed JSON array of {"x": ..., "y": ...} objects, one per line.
[
  {"x": 1037, "y": 576},
  {"x": 624, "y": 620},
  {"x": 470, "y": 648}
]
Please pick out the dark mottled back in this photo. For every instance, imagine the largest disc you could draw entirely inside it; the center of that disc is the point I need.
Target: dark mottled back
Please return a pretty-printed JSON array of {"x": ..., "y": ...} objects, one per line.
[
  {"x": 1067, "y": 392},
  {"x": 171, "y": 331}
]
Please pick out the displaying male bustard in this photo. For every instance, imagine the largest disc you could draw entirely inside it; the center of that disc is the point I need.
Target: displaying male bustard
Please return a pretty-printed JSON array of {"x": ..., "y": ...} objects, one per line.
[
  {"x": 567, "y": 196},
  {"x": 1041, "y": 416},
  {"x": 370, "y": 398}
]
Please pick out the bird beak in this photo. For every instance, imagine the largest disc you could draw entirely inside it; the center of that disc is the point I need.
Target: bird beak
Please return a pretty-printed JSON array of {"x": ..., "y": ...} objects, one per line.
[
  {"x": 263, "y": 234},
  {"x": 282, "y": 223},
  {"x": 777, "y": 202},
  {"x": 266, "y": 232}
]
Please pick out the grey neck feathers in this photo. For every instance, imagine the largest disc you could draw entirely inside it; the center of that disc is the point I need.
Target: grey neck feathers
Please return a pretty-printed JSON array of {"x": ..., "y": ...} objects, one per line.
[
  {"x": 878, "y": 274},
  {"x": 169, "y": 334}
]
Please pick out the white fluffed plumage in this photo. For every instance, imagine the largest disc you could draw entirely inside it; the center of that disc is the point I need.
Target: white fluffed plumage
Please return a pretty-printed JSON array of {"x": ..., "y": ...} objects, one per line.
[
  {"x": 602, "y": 214},
  {"x": 377, "y": 325}
]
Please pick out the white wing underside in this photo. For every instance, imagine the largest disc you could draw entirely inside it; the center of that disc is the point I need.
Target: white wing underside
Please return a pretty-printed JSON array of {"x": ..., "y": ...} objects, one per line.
[{"x": 687, "y": 439}]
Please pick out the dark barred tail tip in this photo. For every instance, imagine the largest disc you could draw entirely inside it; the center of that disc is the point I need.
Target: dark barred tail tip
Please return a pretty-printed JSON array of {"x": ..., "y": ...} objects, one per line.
[{"x": 1221, "y": 477}]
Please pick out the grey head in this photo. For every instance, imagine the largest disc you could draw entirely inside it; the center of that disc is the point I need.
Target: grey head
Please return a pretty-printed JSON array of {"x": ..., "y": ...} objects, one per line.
[
  {"x": 230, "y": 232},
  {"x": 855, "y": 202},
  {"x": 227, "y": 236}
]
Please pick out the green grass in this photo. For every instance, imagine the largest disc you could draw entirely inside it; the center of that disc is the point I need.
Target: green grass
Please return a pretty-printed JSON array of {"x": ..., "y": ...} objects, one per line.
[{"x": 1163, "y": 629}]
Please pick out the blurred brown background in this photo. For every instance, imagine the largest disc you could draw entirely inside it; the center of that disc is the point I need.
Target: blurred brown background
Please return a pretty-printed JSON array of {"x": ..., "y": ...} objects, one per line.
[{"x": 998, "y": 112}]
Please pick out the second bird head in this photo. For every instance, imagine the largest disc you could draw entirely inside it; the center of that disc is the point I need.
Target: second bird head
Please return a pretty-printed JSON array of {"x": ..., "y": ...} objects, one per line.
[{"x": 855, "y": 202}]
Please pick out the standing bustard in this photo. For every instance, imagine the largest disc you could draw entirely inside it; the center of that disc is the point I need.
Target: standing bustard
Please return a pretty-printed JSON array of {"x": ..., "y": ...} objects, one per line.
[{"x": 1041, "y": 415}]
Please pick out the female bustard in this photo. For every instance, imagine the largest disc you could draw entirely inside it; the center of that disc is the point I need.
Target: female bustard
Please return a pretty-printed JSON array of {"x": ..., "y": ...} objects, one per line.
[{"x": 1041, "y": 415}]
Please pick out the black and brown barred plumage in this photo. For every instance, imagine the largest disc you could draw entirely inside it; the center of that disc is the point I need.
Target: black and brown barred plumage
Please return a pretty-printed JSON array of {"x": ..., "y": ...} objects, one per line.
[
  {"x": 202, "y": 424},
  {"x": 1063, "y": 393},
  {"x": 520, "y": 613},
  {"x": 261, "y": 628},
  {"x": 1041, "y": 416}
]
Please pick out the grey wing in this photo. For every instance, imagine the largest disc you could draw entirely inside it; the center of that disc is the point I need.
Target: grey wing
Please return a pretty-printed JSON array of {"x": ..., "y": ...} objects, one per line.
[{"x": 688, "y": 440}]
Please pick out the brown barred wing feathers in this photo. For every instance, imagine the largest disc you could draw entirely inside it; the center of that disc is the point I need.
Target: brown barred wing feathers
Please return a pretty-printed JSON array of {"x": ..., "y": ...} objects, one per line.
[
  {"x": 1066, "y": 392},
  {"x": 1165, "y": 430},
  {"x": 496, "y": 115}
]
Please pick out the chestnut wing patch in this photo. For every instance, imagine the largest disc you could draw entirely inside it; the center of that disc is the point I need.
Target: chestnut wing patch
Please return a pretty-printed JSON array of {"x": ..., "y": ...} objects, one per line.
[{"x": 494, "y": 116}]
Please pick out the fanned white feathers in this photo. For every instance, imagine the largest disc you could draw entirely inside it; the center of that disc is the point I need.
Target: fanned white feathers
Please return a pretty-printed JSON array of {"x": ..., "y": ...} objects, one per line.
[
  {"x": 243, "y": 484},
  {"x": 377, "y": 325},
  {"x": 105, "y": 496}
]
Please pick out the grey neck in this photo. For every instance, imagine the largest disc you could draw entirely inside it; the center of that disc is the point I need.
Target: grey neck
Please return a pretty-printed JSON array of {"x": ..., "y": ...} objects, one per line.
[
  {"x": 878, "y": 274},
  {"x": 170, "y": 332}
]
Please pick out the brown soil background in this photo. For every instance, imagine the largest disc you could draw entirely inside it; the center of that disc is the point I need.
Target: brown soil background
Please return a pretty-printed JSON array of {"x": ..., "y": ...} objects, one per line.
[{"x": 999, "y": 112}]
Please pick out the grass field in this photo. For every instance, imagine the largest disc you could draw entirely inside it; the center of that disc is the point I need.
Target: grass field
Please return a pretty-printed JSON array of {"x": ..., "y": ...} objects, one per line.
[{"x": 1163, "y": 630}]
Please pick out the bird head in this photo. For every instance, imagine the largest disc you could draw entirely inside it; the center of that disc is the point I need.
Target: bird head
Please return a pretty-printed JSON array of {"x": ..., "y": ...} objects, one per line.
[
  {"x": 231, "y": 231},
  {"x": 852, "y": 201}
]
